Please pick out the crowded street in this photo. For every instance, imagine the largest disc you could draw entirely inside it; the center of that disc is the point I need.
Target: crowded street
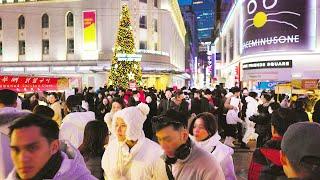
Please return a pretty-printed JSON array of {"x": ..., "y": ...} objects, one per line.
[{"x": 159, "y": 89}]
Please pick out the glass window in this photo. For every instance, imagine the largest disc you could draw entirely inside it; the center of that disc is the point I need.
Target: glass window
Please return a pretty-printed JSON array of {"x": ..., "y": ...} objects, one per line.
[
  {"x": 155, "y": 3},
  {"x": 155, "y": 25},
  {"x": 21, "y": 22},
  {"x": 70, "y": 46},
  {"x": 143, "y": 22},
  {"x": 144, "y": 1},
  {"x": 0, "y": 48},
  {"x": 45, "y": 46},
  {"x": 143, "y": 45},
  {"x": 0, "y": 24},
  {"x": 156, "y": 46},
  {"x": 69, "y": 19},
  {"x": 45, "y": 21},
  {"x": 22, "y": 47}
]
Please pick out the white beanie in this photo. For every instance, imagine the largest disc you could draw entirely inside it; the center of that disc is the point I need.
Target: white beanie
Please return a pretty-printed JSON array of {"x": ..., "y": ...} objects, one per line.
[{"x": 134, "y": 118}]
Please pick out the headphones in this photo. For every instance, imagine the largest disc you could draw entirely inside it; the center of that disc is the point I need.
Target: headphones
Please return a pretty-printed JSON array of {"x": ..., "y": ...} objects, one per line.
[{"x": 181, "y": 153}]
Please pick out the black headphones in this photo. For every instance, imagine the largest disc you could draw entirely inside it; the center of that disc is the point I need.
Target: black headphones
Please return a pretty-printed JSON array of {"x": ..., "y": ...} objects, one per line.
[{"x": 181, "y": 153}]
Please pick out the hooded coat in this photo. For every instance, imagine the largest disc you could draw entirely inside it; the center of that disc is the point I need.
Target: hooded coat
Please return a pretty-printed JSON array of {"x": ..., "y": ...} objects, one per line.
[
  {"x": 72, "y": 167},
  {"x": 7, "y": 116},
  {"x": 221, "y": 152},
  {"x": 72, "y": 128},
  {"x": 143, "y": 160}
]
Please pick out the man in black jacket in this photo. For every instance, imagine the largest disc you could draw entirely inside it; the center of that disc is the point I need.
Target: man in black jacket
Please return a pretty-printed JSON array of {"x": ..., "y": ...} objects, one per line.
[
  {"x": 196, "y": 103},
  {"x": 180, "y": 104},
  {"x": 205, "y": 105},
  {"x": 165, "y": 103}
]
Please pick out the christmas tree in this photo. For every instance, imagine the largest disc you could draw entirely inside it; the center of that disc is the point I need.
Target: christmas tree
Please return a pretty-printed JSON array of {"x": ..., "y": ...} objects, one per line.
[{"x": 125, "y": 66}]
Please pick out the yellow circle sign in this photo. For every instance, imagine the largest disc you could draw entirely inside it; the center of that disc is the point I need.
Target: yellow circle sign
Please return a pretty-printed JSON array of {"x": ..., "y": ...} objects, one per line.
[{"x": 260, "y": 19}]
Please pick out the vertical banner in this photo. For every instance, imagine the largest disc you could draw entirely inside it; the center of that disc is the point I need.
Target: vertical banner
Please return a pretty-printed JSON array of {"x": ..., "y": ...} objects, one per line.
[{"x": 89, "y": 30}]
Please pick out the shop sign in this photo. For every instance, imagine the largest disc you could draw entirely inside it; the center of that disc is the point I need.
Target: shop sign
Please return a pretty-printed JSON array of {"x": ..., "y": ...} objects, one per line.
[
  {"x": 276, "y": 25},
  {"x": 33, "y": 84},
  {"x": 266, "y": 85},
  {"x": 305, "y": 84},
  {"x": 310, "y": 84},
  {"x": 129, "y": 57},
  {"x": 267, "y": 64}
]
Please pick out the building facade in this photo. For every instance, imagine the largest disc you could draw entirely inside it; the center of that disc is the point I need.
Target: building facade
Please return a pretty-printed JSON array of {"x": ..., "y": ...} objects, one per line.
[
  {"x": 270, "y": 42},
  {"x": 49, "y": 38},
  {"x": 192, "y": 41}
]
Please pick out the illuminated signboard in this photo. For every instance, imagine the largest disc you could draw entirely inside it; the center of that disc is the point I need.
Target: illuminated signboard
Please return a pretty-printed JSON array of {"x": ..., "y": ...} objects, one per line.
[
  {"x": 89, "y": 30},
  {"x": 267, "y": 64},
  {"x": 277, "y": 25}
]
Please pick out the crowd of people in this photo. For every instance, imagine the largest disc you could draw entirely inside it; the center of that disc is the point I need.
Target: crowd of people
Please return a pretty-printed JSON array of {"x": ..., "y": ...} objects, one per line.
[{"x": 115, "y": 133}]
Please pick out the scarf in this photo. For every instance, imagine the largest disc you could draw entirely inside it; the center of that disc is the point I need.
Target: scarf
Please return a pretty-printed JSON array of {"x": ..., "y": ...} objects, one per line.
[{"x": 50, "y": 169}]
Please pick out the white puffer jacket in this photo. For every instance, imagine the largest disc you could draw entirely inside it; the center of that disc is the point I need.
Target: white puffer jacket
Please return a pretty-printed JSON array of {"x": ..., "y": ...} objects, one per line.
[
  {"x": 252, "y": 106},
  {"x": 72, "y": 128},
  {"x": 141, "y": 162},
  {"x": 221, "y": 152}
]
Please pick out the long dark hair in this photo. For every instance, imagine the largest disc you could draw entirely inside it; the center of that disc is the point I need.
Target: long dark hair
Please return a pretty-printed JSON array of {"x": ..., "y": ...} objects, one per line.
[{"x": 95, "y": 134}]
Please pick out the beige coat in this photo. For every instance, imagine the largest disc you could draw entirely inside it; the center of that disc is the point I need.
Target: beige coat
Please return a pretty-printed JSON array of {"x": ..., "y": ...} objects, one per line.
[
  {"x": 56, "y": 107},
  {"x": 200, "y": 165}
]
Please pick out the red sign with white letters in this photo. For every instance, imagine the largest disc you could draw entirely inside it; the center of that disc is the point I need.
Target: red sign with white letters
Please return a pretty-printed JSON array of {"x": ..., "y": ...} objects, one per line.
[{"x": 28, "y": 84}]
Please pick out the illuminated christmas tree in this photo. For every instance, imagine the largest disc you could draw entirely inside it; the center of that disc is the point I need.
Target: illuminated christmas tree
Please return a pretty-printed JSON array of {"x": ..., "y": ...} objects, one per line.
[{"x": 125, "y": 65}]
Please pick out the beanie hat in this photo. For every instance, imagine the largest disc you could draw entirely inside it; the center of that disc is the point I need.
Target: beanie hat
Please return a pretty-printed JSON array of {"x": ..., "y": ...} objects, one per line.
[{"x": 134, "y": 118}]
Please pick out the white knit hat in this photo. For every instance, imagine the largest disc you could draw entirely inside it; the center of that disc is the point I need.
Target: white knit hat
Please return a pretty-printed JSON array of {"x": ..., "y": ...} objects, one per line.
[{"x": 134, "y": 118}]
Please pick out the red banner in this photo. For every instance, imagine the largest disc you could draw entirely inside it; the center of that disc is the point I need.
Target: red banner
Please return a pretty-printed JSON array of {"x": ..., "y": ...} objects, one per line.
[{"x": 28, "y": 84}]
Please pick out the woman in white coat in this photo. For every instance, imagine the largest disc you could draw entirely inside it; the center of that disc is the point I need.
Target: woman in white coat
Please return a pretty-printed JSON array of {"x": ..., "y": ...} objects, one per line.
[
  {"x": 252, "y": 105},
  {"x": 131, "y": 155},
  {"x": 203, "y": 130}
]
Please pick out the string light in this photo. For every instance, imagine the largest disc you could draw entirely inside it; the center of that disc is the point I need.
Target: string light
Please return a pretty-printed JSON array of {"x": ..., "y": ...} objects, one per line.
[{"x": 124, "y": 71}]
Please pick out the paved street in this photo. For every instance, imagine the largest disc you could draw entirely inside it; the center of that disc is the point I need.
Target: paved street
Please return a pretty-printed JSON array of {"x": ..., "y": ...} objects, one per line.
[{"x": 242, "y": 159}]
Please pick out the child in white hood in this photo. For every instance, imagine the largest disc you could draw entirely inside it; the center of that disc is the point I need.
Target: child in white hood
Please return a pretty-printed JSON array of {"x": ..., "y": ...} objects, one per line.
[
  {"x": 203, "y": 131},
  {"x": 131, "y": 155}
]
